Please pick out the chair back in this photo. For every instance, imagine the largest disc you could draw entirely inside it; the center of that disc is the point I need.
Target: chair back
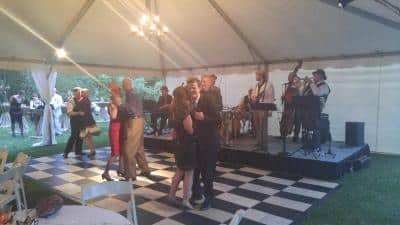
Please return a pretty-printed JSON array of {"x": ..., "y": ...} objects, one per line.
[
  {"x": 21, "y": 159},
  {"x": 3, "y": 158},
  {"x": 8, "y": 175},
  {"x": 96, "y": 190},
  {"x": 237, "y": 217}
]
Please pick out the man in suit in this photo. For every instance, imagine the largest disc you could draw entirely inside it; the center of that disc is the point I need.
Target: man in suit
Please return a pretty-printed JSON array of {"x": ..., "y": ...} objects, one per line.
[
  {"x": 205, "y": 116},
  {"x": 75, "y": 114},
  {"x": 214, "y": 90},
  {"x": 162, "y": 111}
]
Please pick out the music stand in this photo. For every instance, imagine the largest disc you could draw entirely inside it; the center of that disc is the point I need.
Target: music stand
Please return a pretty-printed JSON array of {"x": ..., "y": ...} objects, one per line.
[
  {"x": 307, "y": 105},
  {"x": 264, "y": 107}
]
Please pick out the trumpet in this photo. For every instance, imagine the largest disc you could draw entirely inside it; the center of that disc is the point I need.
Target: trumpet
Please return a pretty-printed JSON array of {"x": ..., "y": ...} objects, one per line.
[{"x": 307, "y": 79}]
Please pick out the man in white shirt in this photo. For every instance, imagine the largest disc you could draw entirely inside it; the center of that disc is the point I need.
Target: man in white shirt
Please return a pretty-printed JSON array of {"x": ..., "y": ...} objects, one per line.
[
  {"x": 263, "y": 92},
  {"x": 55, "y": 103}
]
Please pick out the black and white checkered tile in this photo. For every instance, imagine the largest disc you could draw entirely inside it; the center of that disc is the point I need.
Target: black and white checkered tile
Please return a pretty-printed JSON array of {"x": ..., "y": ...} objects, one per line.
[{"x": 266, "y": 197}]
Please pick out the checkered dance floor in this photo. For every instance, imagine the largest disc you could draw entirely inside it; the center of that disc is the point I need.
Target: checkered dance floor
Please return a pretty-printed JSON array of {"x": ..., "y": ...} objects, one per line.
[{"x": 267, "y": 197}]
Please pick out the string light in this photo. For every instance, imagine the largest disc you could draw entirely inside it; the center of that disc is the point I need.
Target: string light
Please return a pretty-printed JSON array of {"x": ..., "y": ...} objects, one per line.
[
  {"x": 149, "y": 26},
  {"x": 61, "y": 53}
]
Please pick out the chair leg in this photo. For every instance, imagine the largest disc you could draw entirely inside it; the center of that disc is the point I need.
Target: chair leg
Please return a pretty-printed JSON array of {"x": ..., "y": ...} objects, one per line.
[
  {"x": 131, "y": 214},
  {"x": 18, "y": 198},
  {"x": 23, "y": 194}
]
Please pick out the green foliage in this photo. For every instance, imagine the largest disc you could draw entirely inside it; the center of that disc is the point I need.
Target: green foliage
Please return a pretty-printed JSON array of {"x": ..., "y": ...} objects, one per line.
[
  {"x": 18, "y": 80},
  {"x": 148, "y": 87}
]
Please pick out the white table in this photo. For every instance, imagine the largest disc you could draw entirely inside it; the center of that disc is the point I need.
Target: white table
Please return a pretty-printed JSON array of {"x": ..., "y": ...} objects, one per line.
[{"x": 84, "y": 215}]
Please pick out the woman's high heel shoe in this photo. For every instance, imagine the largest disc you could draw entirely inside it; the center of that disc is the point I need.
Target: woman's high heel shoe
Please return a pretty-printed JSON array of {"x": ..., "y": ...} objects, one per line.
[
  {"x": 120, "y": 174},
  {"x": 106, "y": 176}
]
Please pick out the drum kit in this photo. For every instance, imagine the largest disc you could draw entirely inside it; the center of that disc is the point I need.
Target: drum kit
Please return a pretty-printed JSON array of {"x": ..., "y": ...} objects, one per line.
[{"x": 234, "y": 122}]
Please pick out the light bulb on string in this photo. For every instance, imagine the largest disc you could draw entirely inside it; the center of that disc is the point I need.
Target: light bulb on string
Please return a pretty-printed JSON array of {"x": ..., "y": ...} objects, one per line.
[
  {"x": 165, "y": 29},
  {"x": 134, "y": 28},
  {"x": 144, "y": 19},
  {"x": 153, "y": 27},
  {"x": 61, "y": 53},
  {"x": 156, "y": 18},
  {"x": 141, "y": 33}
]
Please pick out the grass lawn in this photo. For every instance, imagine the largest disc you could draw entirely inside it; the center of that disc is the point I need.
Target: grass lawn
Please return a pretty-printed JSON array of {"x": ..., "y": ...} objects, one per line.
[
  {"x": 370, "y": 196},
  {"x": 23, "y": 144}
]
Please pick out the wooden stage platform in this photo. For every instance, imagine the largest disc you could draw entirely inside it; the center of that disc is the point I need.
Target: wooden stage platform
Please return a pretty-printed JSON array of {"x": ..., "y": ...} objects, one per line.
[{"x": 244, "y": 151}]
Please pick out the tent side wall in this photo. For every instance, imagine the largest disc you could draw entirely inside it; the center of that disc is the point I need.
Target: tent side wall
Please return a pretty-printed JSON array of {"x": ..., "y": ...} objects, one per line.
[{"x": 364, "y": 90}]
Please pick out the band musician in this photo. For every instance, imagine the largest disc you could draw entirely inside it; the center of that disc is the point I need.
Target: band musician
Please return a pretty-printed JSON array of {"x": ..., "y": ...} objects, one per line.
[
  {"x": 263, "y": 92},
  {"x": 318, "y": 86},
  {"x": 291, "y": 118}
]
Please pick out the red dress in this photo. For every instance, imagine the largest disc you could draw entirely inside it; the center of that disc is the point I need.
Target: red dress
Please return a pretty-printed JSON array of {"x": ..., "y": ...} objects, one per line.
[{"x": 113, "y": 134}]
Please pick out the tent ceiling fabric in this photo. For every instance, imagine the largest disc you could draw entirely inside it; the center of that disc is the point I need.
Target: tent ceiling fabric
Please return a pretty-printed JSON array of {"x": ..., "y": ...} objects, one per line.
[{"x": 279, "y": 29}]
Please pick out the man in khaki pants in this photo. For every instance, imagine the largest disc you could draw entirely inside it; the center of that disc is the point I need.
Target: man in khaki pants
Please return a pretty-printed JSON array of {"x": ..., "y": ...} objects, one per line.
[
  {"x": 133, "y": 127},
  {"x": 263, "y": 92}
]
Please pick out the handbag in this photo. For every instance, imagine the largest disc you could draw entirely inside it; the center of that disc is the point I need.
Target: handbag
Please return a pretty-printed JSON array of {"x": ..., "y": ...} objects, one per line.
[{"x": 49, "y": 206}]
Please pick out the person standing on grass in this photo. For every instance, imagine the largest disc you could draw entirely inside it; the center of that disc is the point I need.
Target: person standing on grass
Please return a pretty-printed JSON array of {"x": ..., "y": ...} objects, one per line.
[
  {"x": 114, "y": 129},
  {"x": 185, "y": 151},
  {"x": 16, "y": 112},
  {"x": 56, "y": 102}
]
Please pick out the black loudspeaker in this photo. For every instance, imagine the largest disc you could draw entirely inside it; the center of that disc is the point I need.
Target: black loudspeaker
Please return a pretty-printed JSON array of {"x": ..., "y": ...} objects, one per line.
[
  {"x": 354, "y": 133},
  {"x": 325, "y": 128}
]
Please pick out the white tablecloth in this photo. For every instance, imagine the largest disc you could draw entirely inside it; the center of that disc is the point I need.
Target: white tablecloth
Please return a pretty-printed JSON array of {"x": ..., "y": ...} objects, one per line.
[{"x": 84, "y": 215}]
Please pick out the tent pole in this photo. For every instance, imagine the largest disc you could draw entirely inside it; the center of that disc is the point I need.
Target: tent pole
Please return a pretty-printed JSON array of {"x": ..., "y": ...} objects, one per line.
[
  {"x": 75, "y": 21},
  {"x": 160, "y": 47},
  {"x": 236, "y": 29},
  {"x": 364, "y": 14}
]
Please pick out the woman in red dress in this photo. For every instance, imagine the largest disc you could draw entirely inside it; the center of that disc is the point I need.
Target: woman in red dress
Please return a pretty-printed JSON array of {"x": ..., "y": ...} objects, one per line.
[{"x": 114, "y": 130}]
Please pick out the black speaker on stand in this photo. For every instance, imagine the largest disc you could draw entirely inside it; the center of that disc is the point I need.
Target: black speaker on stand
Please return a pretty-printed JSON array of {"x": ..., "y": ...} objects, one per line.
[{"x": 354, "y": 133}]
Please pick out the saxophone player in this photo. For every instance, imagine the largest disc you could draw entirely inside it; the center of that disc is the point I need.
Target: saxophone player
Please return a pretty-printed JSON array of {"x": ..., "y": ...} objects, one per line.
[{"x": 263, "y": 92}]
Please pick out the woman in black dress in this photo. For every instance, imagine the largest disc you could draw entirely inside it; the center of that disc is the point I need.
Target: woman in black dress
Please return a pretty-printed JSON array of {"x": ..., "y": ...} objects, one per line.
[
  {"x": 185, "y": 156},
  {"x": 87, "y": 119}
]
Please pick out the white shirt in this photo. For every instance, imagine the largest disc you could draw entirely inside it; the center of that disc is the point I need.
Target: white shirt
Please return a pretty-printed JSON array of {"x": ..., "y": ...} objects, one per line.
[
  {"x": 196, "y": 101},
  {"x": 266, "y": 92},
  {"x": 322, "y": 90},
  {"x": 57, "y": 102},
  {"x": 33, "y": 104}
]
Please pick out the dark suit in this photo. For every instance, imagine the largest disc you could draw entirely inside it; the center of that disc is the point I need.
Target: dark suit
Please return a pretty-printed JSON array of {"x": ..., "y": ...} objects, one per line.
[
  {"x": 76, "y": 126},
  {"x": 216, "y": 93},
  {"x": 161, "y": 113},
  {"x": 208, "y": 145}
]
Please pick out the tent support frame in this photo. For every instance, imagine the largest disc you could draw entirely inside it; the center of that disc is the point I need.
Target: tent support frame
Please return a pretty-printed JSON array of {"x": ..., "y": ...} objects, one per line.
[
  {"x": 236, "y": 29},
  {"x": 364, "y": 14}
]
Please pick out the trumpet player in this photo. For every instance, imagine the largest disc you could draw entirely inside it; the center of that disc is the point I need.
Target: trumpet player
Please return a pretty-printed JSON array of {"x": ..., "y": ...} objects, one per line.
[{"x": 317, "y": 86}]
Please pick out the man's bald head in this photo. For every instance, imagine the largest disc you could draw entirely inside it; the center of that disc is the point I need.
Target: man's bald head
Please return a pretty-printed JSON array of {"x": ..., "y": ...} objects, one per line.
[
  {"x": 206, "y": 82},
  {"x": 127, "y": 84}
]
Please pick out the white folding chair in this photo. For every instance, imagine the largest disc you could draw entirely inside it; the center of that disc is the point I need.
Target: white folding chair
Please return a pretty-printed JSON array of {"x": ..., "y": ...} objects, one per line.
[
  {"x": 237, "y": 217},
  {"x": 10, "y": 190},
  {"x": 3, "y": 158},
  {"x": 92, "y": 191},
  {"x": 21, "y": 162}
]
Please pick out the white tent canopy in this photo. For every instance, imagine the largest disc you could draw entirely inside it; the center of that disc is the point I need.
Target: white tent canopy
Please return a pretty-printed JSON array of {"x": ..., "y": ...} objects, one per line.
[
  {"x": 231, "y": 37},
  {"x": 96, "y": 34}
]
